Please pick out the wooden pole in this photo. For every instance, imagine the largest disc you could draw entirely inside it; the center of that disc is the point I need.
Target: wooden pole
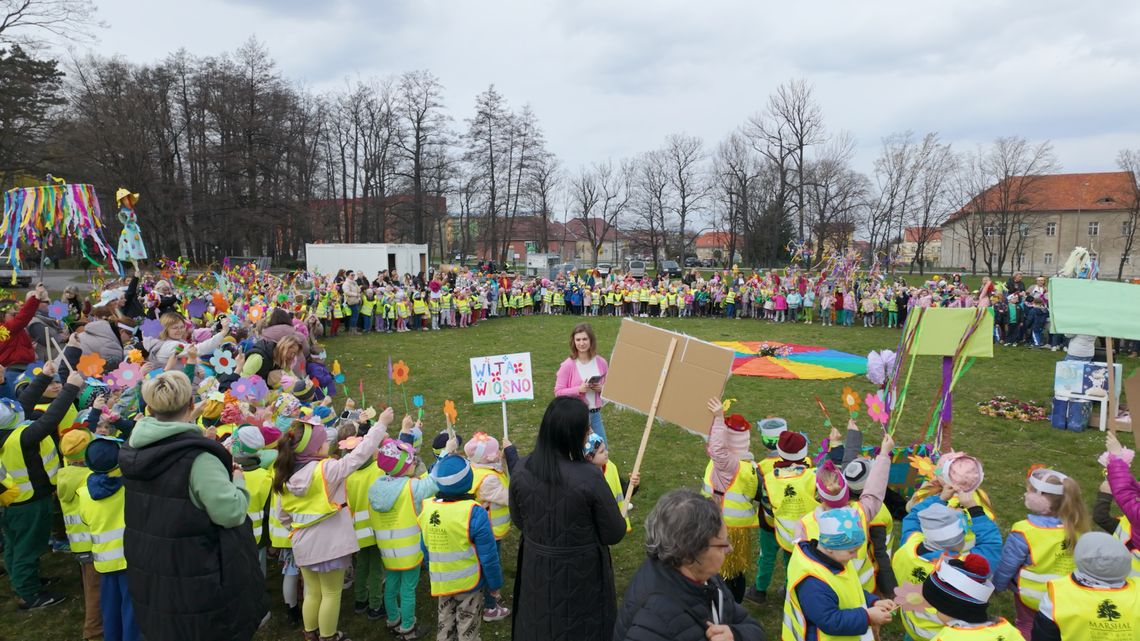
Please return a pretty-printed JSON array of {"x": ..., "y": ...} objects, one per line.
[
  {"x": 1111, "y": 386},
  {"x": 504, "y": 404},
  {"x": 649, "y": 422}
]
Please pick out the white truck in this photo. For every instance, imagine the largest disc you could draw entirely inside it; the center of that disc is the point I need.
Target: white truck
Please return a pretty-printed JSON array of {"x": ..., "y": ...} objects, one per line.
[
  {"x": 542, "y": 265},
  {"x": 370, "y": 258}
]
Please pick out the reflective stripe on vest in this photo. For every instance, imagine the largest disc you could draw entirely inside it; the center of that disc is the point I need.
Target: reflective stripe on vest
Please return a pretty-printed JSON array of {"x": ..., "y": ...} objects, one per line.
[
  {"x": 845, "y": 585},
  {"x": 1124, "y": 533},
  {"x": 613, "y": 480},
  {"x": 398, "y": 532},
  {"x": 356, "y": 492},
  {"x": 278, "y": 533},
  {"x": 1049, "y": 559},
  {"x": 738, "y": 507},
  {"x": 861, "y": 564},
  {"x": 912, "y": 569},
  {"x": 791, "y": 495},
  {"x": 106, "y": 524},
  {"x": 453, "y": 565},
  {"x": 315, "y": 505},
  {"x": 12, "y": 458},
  {"x": 1086, "y": 613},
  {"x": 257, "y": 483},
  {"x": 77, "y": 532},
  {"x": 500, "y": 515},
  {"x": 1000, "y": 629}
]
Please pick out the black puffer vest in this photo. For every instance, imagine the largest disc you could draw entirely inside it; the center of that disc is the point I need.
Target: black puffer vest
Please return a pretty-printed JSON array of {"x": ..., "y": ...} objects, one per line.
[{"x": 189, "y": 578}]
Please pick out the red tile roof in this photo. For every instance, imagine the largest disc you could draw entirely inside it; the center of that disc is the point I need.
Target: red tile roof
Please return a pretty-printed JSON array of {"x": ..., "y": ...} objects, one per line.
[
  {"x": 913, "y": 234},
  {"x": 1109, "y": 190},
  {"x": 716, "y": 240}
]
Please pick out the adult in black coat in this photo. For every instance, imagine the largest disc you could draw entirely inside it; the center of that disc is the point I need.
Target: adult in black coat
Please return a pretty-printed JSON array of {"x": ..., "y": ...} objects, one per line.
[
  {"x": 677, "y": 594},
  {"x": 564, "y": 586}
]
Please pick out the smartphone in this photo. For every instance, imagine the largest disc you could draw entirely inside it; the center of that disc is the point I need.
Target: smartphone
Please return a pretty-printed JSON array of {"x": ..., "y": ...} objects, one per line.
[{"x": 594, "y": 380}]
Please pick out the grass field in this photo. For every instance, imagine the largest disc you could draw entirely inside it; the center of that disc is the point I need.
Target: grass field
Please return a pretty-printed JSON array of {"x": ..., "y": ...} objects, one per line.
[{"x": 439, "y": 370}]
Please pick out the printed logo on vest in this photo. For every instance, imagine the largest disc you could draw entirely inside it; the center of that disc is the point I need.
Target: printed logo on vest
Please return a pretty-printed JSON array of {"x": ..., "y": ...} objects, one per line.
[
  {"x": 789, "y": 491},
  {"x": 434, "y": 520},
  {"x": 918, "y": 575},
  {"x": 1107, "y": 610}
]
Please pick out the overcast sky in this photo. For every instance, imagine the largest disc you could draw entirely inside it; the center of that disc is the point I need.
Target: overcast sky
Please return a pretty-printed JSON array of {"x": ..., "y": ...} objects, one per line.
[{"x": 612, "y": 78}]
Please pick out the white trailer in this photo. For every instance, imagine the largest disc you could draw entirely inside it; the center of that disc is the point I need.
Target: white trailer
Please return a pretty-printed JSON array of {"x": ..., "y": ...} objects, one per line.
[{"x": 370, "y": 258}]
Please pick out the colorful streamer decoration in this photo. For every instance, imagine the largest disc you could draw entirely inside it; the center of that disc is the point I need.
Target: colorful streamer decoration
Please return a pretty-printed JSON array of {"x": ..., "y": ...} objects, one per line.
[{"x": 37, "y": 216}]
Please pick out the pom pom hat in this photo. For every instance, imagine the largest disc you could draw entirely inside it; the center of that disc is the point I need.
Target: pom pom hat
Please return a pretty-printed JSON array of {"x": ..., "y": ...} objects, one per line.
[{"x": 960, "y": 588}]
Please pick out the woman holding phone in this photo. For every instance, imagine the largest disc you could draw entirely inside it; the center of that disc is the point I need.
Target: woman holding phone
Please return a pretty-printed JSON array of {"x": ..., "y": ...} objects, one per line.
[{"x": 583, "y": 374}]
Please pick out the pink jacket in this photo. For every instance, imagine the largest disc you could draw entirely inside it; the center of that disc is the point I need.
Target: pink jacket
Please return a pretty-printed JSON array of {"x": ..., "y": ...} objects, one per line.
[
  {"x": 1126, "y": 492},
  {"x": 725, "y": 462},
  {"x": 333, "y": 537},
  {"x": 567, "y": 382}
]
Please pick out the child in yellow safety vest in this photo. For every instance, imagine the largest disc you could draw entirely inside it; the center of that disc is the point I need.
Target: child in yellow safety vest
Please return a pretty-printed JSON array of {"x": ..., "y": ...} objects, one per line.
[
  {"x": 490, "y": 467},
  {"x": 73, "y": 476},
  {"x": 462, "y": 555},
  {"x": 368, "y": 572},
  {"x": 1098, "y": 600},
  {"x": 1040, "y": 547},
  {"x": 596, "y": 452},
  {"x": 787, "y": 492},
  {"x": 959, "y": 591},
  {"x": 101, "y": 505},
  {"x": 731, "y": 479},
  {"x": 770, "y": 429},
  {"x": 825, "y": 598},
  {"x": 395, "y": 501}
]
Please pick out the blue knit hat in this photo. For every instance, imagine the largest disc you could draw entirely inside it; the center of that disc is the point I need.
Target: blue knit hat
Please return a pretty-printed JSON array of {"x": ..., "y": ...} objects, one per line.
[
  {"x": 839, "y": 529},
  {"x": 453, "y": 475},
  {"x": 103, "y": 454}
]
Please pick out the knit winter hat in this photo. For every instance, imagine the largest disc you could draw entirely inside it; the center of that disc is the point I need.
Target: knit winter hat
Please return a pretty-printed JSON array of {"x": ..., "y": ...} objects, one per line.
[
  {"x": 839, "y": 529},
  {"x": 103, "y": 454},
  {"x": 453, "y": 475},
  {"x": 960, "y": 588},
  {"x": 770, "y": 430},
  {"x": 739, "y": 431},
  {"x": 73, "y": 445},
  {"x": 439, "y": 443},
  {"x": 395, "y": 457},
  {"x": 1103, "y": 557},
  {"x": 942, "y": 527},
  {"x": 838, "y": 498},
  {"x": 482, "y": 448},
  {"x": 856, "y": 473},
  {"x": 248, "y": 439},
  {"x": 792, "y": 446},
  {"x": 11, "y": 414},
  {"x": 963, "y": 471}
]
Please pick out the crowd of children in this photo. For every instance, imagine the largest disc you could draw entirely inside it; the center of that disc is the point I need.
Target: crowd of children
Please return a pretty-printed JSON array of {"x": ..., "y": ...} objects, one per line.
[{"x": 332, "y": 495}]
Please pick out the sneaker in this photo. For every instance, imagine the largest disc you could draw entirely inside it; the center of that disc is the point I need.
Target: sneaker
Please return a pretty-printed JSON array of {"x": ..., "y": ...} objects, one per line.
[
  {"x": 43, "y": 600},
  {"x": 60, "y": 545},
  {"x": 293, "y": 614},
  {"x": 376, "y": 614},
  {"x": 392, "y": 625},
  {"x": 360, "y": 607},
  {"x": 755, "y": 596},
  {"x": 417, "y": 632},
  {"x": 497, "y": 613}
]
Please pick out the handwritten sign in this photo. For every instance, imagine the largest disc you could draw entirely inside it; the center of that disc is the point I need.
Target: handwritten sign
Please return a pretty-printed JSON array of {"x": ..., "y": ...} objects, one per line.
[{"x": 497, "y": 379}]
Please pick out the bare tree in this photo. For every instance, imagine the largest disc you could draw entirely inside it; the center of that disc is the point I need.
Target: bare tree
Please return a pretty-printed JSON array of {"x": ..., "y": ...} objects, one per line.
[
  {"x": 896, "y": 173},
  {"x": 485, "y": 141},
  {"x": 1129, "y": 160},
  {"x": 651, "y": 186},
  {"x": 791, "y": 124},
  {"x": 684, "y": 157},
  {"x": 545, "y": 179},
  {"x": 836, "y": 194},
  {"x": 601, "y": 194},
  {"x": 933, "y": 196},
  {"x": 424, "y": 133},
  {"x": 71, "y": 19},
  {"x": 737, "y": 170}
]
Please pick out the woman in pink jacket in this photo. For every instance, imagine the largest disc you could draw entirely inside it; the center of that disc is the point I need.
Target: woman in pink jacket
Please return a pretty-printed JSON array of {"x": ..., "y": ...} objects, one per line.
[
  {"x": 312, "y": 489},
  {"x": 1125, "y": 489},
  {"x": 583, "y": 374}
]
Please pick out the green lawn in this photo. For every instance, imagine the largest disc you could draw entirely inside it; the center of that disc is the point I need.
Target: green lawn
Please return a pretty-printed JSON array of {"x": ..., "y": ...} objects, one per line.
[{"x": 439, "y": 370}]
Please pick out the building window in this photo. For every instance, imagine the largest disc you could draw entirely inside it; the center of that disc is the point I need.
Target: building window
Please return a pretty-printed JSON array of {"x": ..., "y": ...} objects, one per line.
[
  {"x": 1048, "y": 258},
  {"x": 990, "y": 231},
  {"x": 1050, "y": 229},
  {"x": 1094, "y": 229}
]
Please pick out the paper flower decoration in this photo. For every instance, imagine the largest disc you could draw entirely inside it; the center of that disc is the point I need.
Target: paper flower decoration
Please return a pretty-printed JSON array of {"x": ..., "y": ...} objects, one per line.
[
  {"x": 151, "y": 328},
  {"x": 241, "y": 388},
  {"x": 909, "y": 596},
  {"x": 449, "y": 411},
  {"x": 135, "y": 356},
  {"x": 418, "y": 400},
  {"x": 350, "y": 443},
  {"x": 57, "y": 310},
  {"x": 221, "y": 305},
  {"x": 196, "y": 308},
  {"x": 91, "y": 365},
  {"x": 400, "y": 373},
  {"x": 223, "y": 361},
  {"x": 850, "y": 400},
  {"x": 125, "y": 376},
  {"x": 253, "y": 391},
  {"x": 255, "y": 313},
  {"x": 876, "y": 409},
  {"x": 338, "y": 375}
]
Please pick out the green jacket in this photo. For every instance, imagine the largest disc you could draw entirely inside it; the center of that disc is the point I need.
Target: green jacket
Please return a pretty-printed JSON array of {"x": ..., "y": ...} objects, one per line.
[{"x": 212, "y": 489}]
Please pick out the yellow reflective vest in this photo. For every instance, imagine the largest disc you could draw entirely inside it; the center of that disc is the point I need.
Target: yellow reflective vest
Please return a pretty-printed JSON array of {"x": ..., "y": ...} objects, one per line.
[
  {"x": 1124, "y": 533},
  {"x": 998, "y": 630},
  {"x": 398, "y": 532},
  {"x": 738, "y": 507},
  {"x": 1049, "y": 558},
  {"x": 453, "y": 564},
  {"x": 315, "y": 505},
  {"x": 12, "y": 458},
  {"x": 106, "y": 523},
  {"x": 68, "y": 419},
  {"x": 1085, "y": 613},
  {"x": 861, "y": 564},
  {"x": 257, "y": 483},
  {"x": 613, "y": 480},
  {"x": 356, "y": 492},
  {"x": 500, "y": 515},
  {"x": 278, "y": 533},
  {"x": 73, "y": 477},
  {"x": 791, "y": 493},
  {"x": 845, "y": 585},
  {"x": 911, "y": 569}
]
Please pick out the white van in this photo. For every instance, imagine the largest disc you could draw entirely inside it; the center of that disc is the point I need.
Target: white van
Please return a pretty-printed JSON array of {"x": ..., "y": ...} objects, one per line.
[{"x": 636, "y": 268}]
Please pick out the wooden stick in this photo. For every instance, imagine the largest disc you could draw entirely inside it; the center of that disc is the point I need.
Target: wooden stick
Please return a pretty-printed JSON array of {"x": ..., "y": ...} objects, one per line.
[
  {"x": 649, "y": 422},
  {"x": 1111, "y": 386}
]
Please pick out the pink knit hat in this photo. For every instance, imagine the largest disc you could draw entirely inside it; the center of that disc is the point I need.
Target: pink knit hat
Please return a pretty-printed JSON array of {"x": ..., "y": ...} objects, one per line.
[
  {"x": 739, "y": 431},
  {"x": 482, "y": 448},
  {"x": 395, "y": 457}
]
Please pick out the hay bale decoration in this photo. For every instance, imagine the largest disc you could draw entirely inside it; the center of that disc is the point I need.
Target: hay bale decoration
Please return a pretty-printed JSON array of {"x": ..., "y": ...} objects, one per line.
[{"x": 36, "y": 216}]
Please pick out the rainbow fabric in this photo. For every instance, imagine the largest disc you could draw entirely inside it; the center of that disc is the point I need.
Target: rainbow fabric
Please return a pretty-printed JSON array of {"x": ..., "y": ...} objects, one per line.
[
  {"x": 35, "y": 216},
  {"x": 806, "y": 362}
]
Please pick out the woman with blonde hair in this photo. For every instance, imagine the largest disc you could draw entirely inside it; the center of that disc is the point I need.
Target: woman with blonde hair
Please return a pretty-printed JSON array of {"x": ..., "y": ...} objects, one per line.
[
  {"x": 186, "y": 525},
  {"x": 175, "y": 338}
]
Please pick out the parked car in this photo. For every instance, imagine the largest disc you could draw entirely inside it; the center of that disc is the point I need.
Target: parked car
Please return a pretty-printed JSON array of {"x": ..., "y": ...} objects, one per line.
[
  {"x": 670, "y": 268},
  {"x": 604, "y": 269},
  {"x": 708, "y": 262},
  {"x": 636, "y": 268},
  {"x": 692, "y": 261}
]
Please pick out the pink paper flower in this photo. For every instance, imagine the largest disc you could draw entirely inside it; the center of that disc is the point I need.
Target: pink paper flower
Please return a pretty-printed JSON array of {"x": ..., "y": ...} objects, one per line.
[{"x": 876, "y": 409}]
